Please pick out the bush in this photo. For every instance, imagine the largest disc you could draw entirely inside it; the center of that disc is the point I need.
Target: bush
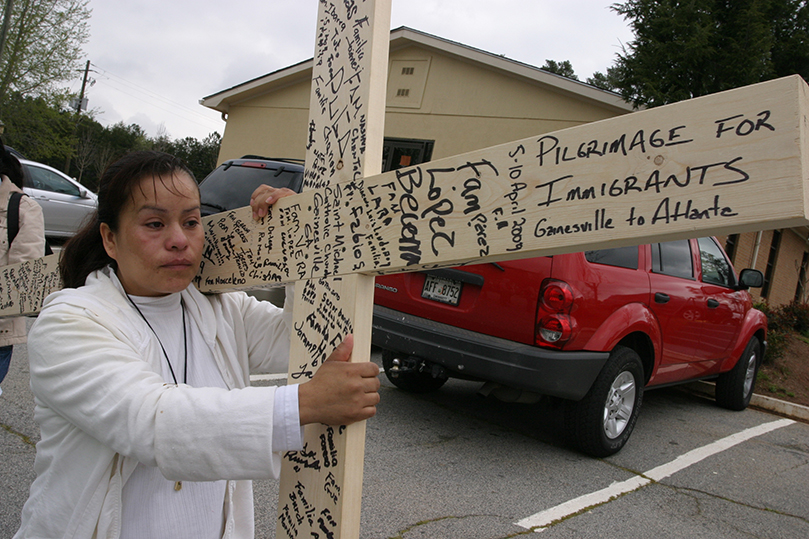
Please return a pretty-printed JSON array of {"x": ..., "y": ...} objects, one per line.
[
  {"x": 781, "y": 321},
  {"x": 797, "y": 315}
]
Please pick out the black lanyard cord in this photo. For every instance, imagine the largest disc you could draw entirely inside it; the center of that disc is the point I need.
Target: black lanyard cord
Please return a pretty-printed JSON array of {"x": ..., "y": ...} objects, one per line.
[{"x": 185, "y": 341}]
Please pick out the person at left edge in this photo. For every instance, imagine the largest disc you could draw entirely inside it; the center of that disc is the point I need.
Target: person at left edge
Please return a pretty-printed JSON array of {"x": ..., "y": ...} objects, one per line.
[{"x": 27, "y": 245}]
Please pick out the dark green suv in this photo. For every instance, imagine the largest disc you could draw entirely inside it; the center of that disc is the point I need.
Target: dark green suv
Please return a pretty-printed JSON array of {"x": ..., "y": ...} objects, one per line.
[{"x": 230, "y": 184}]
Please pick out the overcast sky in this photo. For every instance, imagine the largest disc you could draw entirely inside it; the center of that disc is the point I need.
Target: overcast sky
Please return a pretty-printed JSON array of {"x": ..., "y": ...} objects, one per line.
[{"x": 153, "y": 60}]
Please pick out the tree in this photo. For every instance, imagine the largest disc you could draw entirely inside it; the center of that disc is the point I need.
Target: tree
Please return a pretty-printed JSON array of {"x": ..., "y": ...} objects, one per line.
[
  {"x": 684, "y": 49},
  {"x": 563, "y": 68},
  {"x": 103, "y": 156},
  {"x": 604, "y": 81},
  {"x": 43, "y": 46},
  {"x": 39, "y": 127},
  {"x": 790, "y": 37},
  {"x": 122, "y": 138},
  {"x": 200, "y": 156},
  {"x": 85, "y": 152},
  {"x": 43, "y": 129}
]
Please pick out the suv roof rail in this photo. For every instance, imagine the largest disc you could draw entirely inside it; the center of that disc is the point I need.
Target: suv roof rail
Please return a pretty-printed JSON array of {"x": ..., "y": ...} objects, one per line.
[{"x": 280, "y": 159}]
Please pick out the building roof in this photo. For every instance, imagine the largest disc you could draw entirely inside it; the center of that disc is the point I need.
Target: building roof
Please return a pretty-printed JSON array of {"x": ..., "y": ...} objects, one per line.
[{"x": 402, "y": 37}]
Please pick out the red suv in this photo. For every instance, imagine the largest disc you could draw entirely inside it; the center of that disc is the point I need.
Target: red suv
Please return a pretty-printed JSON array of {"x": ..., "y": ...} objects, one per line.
[{"x": 593, "y": 328}]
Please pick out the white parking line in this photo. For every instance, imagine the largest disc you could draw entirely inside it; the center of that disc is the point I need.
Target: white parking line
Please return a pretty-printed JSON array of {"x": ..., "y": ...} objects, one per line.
[{"x": 544, "y": 518}]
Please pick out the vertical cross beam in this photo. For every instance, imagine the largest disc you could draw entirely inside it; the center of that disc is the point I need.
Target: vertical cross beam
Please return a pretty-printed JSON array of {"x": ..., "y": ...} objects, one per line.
[{"x": 321, "y": 486}]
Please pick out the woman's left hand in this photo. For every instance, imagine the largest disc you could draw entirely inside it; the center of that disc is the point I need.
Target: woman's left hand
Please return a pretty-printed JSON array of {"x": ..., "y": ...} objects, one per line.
[{"x": 265, "y": 196}]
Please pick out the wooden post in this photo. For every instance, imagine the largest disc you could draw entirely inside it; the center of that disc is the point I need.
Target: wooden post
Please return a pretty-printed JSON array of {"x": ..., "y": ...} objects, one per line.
[
  {"x": 321, "y": 486},
  {"x": 24, "y": 286}
]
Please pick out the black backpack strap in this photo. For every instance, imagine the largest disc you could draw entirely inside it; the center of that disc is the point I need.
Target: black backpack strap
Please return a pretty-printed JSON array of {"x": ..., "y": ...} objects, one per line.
[
  {"x": 13, "y": 216},
  {"x": 14, "y": 219}
]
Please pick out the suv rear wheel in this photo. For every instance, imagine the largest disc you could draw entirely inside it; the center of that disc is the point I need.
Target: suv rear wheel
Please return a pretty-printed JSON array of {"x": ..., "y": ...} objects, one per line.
[{"x": 600, "y": 424}]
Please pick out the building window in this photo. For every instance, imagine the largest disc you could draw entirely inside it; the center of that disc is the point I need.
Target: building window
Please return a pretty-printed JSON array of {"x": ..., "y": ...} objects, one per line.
[
  {"x": 399, "y": 152},
  {"x": 407, "y": 70},
  {"x": 770, "y": 271},
  {"x": 730, "y": 246},
  {"x": 801, "y": 288},
  {"x": 403, "y": 92}
]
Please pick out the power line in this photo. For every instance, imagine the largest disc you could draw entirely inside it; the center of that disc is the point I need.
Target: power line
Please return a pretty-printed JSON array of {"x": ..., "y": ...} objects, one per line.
[
  {"x": 173, "y": 112},
  {"x": 106, "y": 72},
  {"x": 120, "y": 84}
]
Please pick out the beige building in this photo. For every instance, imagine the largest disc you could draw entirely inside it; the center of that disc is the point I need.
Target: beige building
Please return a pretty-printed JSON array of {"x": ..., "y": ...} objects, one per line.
[
  {"x": 445, "y": 98},
  {"x": 782, "y": 255},
  {"x": 443, "y": 95}
]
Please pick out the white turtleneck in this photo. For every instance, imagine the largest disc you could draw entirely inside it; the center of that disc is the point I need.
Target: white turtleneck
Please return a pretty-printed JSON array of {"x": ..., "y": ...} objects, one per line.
[{"x": 151, "y": 505}]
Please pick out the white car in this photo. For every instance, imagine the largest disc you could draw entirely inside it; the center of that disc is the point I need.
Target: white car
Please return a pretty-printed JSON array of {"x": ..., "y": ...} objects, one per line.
[{"x": 65, "y": 202}]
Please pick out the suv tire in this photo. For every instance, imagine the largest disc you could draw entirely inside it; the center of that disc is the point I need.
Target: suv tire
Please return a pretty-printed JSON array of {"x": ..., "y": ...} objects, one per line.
[
  {"x": 734, "y": 389},
  {"x": 600, "y": 424}
]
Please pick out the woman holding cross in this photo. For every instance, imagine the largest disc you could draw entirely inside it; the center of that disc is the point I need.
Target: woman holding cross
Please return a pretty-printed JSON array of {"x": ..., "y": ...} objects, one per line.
[{"x": 149, "y": 428}]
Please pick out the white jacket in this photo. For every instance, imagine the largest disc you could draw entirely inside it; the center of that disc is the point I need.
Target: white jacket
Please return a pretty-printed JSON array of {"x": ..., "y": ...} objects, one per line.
[{"x": 102, "y": 407}]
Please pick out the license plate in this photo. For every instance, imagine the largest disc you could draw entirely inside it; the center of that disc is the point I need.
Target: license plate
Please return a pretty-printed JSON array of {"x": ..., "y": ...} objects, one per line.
[{"x": 443, "y": 290}]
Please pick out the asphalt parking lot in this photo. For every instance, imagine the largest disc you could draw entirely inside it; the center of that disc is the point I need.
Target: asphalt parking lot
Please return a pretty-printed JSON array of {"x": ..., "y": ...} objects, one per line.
[{"x": 455, "y": 465}]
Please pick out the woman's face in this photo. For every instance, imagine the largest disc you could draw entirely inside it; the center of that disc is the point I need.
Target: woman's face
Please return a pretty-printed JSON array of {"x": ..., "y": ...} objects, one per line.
[{"x": 158, "y": 245}]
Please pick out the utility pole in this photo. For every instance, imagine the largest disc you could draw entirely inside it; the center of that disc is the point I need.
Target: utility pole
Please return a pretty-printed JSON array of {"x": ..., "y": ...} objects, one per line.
[
  {"x": 83, "y": 87},
  {"x": 78, "y": 111}
]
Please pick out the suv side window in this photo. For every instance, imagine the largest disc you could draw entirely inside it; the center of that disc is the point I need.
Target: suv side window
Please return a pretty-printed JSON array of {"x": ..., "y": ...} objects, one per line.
[
  {"x": 622, "y": 257},
  {"x": 673, "y": 258},
  {"x": 715, "y": 268}
]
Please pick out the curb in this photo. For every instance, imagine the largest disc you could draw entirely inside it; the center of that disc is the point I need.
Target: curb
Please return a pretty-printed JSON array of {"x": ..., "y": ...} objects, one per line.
[{"x": 776, "y": 406}]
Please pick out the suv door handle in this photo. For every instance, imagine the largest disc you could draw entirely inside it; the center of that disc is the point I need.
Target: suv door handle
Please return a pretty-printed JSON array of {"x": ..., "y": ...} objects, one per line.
[
  {"x": 660, "y": 297},
  {"x": 713, "y": 304}
]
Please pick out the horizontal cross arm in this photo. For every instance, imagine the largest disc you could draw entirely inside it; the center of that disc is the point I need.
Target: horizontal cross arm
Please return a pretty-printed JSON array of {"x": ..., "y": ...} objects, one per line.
[
  {"x": 729, "y": 162},
  {"x": 726, "y": 163}
]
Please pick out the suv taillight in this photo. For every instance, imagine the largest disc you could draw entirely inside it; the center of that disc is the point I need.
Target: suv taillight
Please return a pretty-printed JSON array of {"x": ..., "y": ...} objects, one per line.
[
  {"x": 554, "y": 325},
  {"x": 557, "y": 296}
]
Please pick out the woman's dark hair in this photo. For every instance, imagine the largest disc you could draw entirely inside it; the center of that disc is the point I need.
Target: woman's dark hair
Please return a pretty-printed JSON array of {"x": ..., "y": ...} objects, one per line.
[
  {"x": 84, "y": 253},
  {"x": 10, "y": 166}
]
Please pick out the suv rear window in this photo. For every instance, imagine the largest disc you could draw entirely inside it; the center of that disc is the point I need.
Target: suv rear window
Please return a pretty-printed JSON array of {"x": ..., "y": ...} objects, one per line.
[
  {"x": 622, "y": 257},
  {"x": 230, "y": 185}
]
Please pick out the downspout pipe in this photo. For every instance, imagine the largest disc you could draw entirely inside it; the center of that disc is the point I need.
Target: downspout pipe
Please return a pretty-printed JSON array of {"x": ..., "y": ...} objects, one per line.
[{"x": 756, "y": 247}]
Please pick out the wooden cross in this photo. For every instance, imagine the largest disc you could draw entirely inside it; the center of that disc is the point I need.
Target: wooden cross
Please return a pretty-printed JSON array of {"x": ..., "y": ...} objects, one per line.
[{"x": 726, "y": 163}]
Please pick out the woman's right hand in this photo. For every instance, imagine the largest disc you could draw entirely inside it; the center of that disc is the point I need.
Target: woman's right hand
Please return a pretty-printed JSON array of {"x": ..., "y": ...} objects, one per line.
[{"x": 340, "y": 393}]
